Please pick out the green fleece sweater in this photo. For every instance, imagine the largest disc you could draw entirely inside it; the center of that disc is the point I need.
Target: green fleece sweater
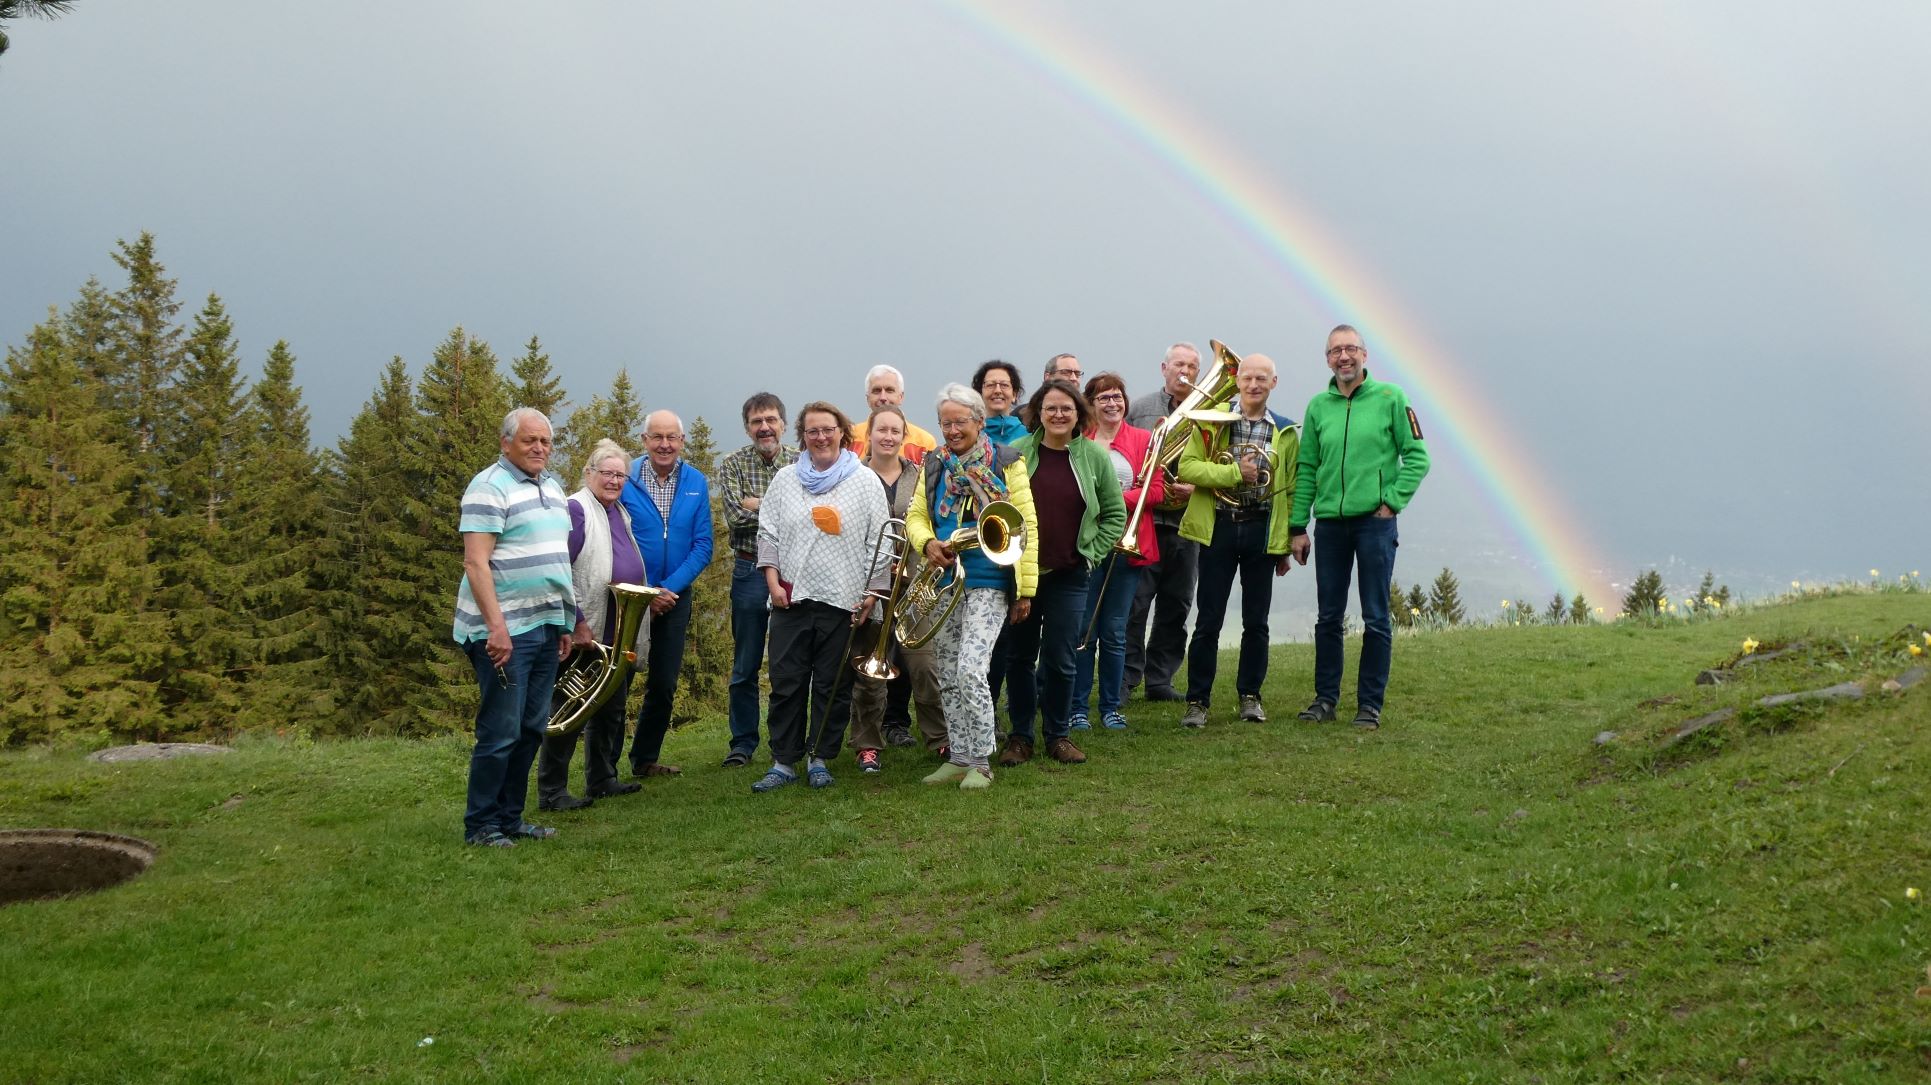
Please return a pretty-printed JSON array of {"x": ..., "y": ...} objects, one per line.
[
  {"x": 1104, "y": 520},
  {"x": 1208, "y": 476},
  {"x": 1358, "y": 453}
]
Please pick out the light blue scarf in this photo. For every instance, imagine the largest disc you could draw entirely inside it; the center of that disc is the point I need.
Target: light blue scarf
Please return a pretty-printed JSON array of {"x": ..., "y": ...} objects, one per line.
[{"x": 818, "y": 483}]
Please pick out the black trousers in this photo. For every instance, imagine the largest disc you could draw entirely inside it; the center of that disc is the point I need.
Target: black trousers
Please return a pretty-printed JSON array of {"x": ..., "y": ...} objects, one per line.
[
  {"x": 811, "y": 680},
  {"x": 603, "y": 741},
  {"x": 1164, "y": 594}
]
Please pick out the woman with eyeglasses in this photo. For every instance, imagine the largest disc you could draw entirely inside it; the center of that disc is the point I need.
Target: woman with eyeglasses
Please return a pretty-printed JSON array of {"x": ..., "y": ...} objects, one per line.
[
  {"x": 817, "y": 545},
  {"x": 1081, "y": 516},
  {"x": 603, "y": 551},
  {"x": 1118, "y": 577}
]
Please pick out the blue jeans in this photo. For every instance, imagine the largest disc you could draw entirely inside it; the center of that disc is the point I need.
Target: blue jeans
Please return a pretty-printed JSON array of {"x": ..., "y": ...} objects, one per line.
[
  {"x": 750, "y": 622},
  {"x": 1109, "y": 637},
  {"x": 1341, "y": 546},
  {"x": 665, "y": 663},
  {"x": 1046, "y": 637},
  {"x": 509, "y": 728},
  {"x": 1239, "y": 550}
]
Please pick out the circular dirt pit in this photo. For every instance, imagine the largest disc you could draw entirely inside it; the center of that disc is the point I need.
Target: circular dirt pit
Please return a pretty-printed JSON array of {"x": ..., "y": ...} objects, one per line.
[
  {"x": 157, "y": 751},
  {"x": 36, "y": 864}
]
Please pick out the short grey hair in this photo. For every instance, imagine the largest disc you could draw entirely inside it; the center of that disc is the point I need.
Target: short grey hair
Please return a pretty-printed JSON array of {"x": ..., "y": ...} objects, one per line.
[
  {"x": 513, "y": 420},
  {"x": 1182, "y": 345},
  {"x": 965, "y": 397},
  {"x": 604, "y": 450},
  {"x": 878, "y": 371}
]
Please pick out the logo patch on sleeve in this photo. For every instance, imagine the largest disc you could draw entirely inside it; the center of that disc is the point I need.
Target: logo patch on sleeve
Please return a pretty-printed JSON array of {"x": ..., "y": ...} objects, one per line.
[{"x": 1414, "y": 424}]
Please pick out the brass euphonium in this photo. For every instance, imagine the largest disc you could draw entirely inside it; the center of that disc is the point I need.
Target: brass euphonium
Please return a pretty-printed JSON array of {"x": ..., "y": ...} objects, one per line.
[
  {"x": 594, "y": 674},
  {"x": 929, "y": 598},
  {"x": 1170, "y": 436}
]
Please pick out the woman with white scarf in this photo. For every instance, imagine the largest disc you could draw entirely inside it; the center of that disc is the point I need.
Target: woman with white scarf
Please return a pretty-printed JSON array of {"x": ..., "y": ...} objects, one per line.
[
  {"x": 602, "y": 552},
  {"x": 818, "y": 546}
]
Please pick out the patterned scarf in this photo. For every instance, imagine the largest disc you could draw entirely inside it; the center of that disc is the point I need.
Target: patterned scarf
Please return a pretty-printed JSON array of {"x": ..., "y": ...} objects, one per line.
[{"x": 976, "y": 466}]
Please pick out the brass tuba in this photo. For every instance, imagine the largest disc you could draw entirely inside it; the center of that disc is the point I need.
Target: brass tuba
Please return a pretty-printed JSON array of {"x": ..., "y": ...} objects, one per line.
[
  {"x": 594, "y": 674},
  {"x": 929, "y": 598},
  {"x": 1170, "y": 434}
]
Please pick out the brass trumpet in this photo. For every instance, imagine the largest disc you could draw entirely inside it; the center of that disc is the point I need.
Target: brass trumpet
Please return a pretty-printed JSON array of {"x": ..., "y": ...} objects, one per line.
[{"x": 594, "y": 674}]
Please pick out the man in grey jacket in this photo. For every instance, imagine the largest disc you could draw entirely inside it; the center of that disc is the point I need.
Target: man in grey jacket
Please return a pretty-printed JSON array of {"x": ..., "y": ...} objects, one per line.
[{"x": 1166, "y": 588}]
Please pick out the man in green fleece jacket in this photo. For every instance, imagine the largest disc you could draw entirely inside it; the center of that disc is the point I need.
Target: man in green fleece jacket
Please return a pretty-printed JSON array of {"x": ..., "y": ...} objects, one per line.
[{"x": 1361, "y": 460}]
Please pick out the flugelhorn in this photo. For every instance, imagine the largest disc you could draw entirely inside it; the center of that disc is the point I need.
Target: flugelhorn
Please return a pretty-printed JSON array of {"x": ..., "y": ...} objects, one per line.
[
  {"x": 929, "y": 599},
  {"x": 594, "y": 673}
]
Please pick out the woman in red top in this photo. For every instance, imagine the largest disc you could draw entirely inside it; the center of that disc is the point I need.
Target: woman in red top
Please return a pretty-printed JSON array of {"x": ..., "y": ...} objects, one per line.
[{"x": 1127, "y": 447}]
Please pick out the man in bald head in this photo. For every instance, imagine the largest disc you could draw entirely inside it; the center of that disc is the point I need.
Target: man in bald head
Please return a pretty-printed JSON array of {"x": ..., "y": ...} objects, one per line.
[
  {"x": 670, "y": 514},
  {"x": 1238, "y": 514}
]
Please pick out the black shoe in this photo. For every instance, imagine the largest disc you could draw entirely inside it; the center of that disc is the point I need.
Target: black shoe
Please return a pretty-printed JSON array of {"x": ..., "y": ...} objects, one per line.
[
  {"x": 1163, "y": 693},
  {"x": 732, "y": 760},
  {"x": 621, "y": 787},
  {"x": 1368, "y": 719},
  {"x": 563, "y": 802},
  {"x": 1318, "y": 712},
  {"x": 899, "y": 738}
]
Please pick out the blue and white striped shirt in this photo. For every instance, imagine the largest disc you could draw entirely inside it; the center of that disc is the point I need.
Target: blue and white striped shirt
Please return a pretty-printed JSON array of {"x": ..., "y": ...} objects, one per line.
[{"x": 530, "y": 566}]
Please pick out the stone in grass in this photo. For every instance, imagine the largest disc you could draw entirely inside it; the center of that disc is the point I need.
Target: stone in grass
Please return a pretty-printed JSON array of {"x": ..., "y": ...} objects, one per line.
[
  {"x": 1685, "y": 730},
  {"x": 1718, "y": 675},
  {"x": 1604, "y": 738},
  {"x": 1843, "y": 691},
  {"x": 157, "y": 751},
  {"x": 1909, "y": 678}
]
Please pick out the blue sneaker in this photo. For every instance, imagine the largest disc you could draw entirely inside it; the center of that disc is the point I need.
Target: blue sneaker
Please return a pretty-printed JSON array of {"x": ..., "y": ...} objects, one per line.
[
  {"x": 1077, "y": 722},
  {"x": 1115, "y": 721},
  {"x": 820, "y": 776},
  {"x": 773, "y": 780}
]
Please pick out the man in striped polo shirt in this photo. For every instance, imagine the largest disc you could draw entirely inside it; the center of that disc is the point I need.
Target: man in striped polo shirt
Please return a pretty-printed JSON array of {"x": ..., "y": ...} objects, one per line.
[{"x": 514, "y": 611}]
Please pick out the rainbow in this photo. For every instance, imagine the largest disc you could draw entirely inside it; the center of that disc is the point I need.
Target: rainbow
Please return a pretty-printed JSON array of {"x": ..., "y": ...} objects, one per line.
[{"x": 1288, "y": 238}]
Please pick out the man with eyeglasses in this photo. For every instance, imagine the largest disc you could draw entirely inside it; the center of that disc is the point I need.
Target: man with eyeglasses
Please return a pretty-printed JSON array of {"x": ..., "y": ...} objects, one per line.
[
  {"x": 1361, "y": 460},
  {"x": 670, "y": 513},
  {"x": 741, "y": 480},
  {"x": 1166, "y": 588}
]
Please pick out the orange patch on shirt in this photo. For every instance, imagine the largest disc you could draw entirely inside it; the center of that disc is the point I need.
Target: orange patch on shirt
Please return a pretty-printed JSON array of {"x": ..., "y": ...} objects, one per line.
[{"x": 826, "y": 518}]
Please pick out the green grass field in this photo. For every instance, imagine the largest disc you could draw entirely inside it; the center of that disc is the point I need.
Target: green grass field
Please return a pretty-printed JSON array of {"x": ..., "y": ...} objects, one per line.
[{"x": 1477, "y": 893}]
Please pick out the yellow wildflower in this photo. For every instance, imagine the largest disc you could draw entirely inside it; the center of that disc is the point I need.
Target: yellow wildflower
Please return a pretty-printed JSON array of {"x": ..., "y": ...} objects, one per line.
[
  {"x": 1416, "y": 611},
  {"x": 1927, "y": 640},
  {"x": 1916, "y": 651},
  {"x": 1794, "y": 586},
  {"x": 1927, "y": 636},
  {"x": 1749, "y": 645},
  {"x": 1505, "y": 604},
  {"x": 1911, "y": 892},
  {"x": 1873, "y": 573}
]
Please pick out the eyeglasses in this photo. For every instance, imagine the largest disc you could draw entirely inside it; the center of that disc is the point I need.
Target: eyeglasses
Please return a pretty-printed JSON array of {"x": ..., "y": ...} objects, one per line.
[
  {"x": 954, "y": 427},
  {"x": 663, "y": 438},
  {"x": 822, "y": 433},
  {"x": 1059, "y": 408},
  {"x": 1110, "y": 397},
  {"x": 1349, "y": 350},
  {"x": 995, "y": 385},
  {"x": 611, "y": 476}
]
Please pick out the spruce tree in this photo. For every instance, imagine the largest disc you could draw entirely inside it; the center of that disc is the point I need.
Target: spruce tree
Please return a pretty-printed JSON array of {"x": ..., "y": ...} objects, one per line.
[
  {"x": 1645, "y": 597},
  {"x": 705, "y": 680},
  {"x": 618, "y": 416},
  {"x": 1579, "y": 610},
  {"x": 141, "y": 364},
  {"x": 76, "y": 582},
  {"x": 537, "y": 385},
  {"x": 1402, "y": 615},
  {"x": 1558, "y": 609},
  {"x": 1417, "y": 603},
  {"x": 1445, "y": 599}
]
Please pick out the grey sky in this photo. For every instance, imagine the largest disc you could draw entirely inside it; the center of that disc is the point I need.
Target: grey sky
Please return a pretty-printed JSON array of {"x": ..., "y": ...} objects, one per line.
[{"x": 1682, "y": 249}]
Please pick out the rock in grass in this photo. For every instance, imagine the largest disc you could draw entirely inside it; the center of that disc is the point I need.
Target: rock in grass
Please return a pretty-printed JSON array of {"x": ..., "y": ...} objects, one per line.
[
  {"x": 1604, "y": 738},
  {"x": 1911, "y": 677},
  {"x": 1690, "y": 727},
  {"x": 1843, "y": 691}
]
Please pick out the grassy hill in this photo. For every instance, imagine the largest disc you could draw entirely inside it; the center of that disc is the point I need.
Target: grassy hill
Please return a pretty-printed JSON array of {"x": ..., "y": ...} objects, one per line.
[{"x": 1478, "y": 892}]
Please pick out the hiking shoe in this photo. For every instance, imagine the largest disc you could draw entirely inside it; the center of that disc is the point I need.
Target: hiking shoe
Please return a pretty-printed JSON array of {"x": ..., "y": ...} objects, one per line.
[
  {"x": 565, "y": 801},
  {"x": 1195, "y": 715},
  {"x": 1251, "y": 710},
  {"x": 1318, "y": 712},
  {"x": 947, "y": 773},
  {"x": 1162, "y": 693},
  {"x": 820, "y": 775},
  {"x": 617, "y": 787},
  {"x": 773, "y": 780},
  {"x": 899, "y": 737},
  {"x": 1018, "y": 751},
  {"x": 1114, "y": 721},
  {"x": 1368, "y": 719},
  {"x": 491, "y": 839},
  {"x": 868, "y": 760},
  {"x": 1063, "y": 751},
  {"x": 1077, "y": 722},
  {"x": 737, "y": 759},
  {"x": 532, "y": 832},
  {"x": 976, "y": 780}
]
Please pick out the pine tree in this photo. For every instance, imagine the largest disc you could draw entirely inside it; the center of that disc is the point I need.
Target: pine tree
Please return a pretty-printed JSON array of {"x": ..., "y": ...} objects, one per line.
[
  {"x": 141, "y": 364},
  {"x": 1445, "y": 599},
  {"x": 1558, "y": 609},
  {"x": 1417, "y": 603},
  {"x": 618, "y": 416},
  {"x": 75, "y": 575},
  {"x": 1404, "y": 617},
  {"x": 537, "y": 385},
  {"x": 1579, "y": 610},
  {"x": 1645, "y": 597},
  {"x": 705, "y": 680}
]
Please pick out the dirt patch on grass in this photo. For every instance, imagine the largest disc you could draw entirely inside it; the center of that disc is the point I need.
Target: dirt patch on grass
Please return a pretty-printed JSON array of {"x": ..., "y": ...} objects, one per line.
[
  {"x": 37, "y": 864},
  {"x": 973, "y": 966}
]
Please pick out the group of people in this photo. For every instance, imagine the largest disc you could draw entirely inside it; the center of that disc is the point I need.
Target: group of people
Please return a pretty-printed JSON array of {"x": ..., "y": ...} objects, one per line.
[{"x": 1027, "y": 505}]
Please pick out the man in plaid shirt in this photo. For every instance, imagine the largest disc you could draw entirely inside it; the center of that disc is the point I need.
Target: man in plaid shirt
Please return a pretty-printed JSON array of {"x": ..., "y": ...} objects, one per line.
[{"x": 742, "y": 479}]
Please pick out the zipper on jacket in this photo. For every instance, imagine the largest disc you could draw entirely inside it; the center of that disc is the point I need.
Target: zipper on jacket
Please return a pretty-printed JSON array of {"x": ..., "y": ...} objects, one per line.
[{"x": 1347, "y": 423}]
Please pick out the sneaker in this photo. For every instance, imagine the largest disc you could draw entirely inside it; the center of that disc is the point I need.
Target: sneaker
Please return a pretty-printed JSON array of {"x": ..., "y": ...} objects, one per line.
[
  {"x": 819, "y": 774},
  {"x": 1063, "y": 751},
  {"x": 1114, "y": 721},
  {"x": 947, "y": 773},
  {"x": 1318, "y": 712},
  {"x": 1195, "y": 715},
  {"x": 491, "y": 839},
  {"x": 532, "y": 832},
  {"x": 1368, "y": 719},
  {"x": 736, "y": 759},
  {"x": 1077, "y": 722},
  {"x": 564, "y": 801},
  {"x": 944, "y": 752},
  {"x": 868, "y": 760},
  {"x": 1018, "y": 751},
  {"x": 899, "y": 738},
  {"x": 773, "y": 780},
  {"x": 976, "y": 780},
  {"x": 1251, "y": 710}
]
